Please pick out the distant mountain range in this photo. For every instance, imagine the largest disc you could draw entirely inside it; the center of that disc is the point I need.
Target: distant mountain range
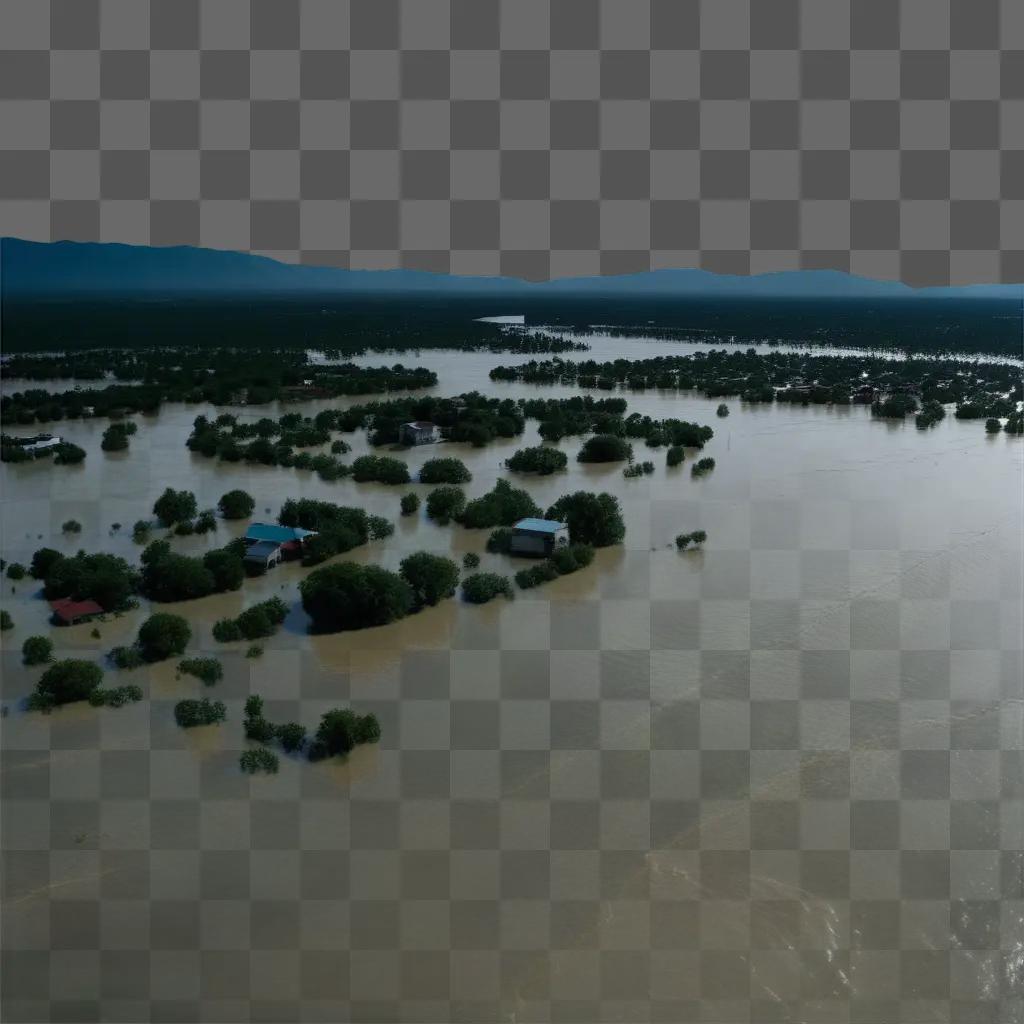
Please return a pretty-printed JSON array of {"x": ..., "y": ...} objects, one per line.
[{"x": 74, "y": 268}]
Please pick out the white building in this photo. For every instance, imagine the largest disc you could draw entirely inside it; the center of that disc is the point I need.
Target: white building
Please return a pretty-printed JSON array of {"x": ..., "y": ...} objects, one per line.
[{"x": 420, "y": 432}]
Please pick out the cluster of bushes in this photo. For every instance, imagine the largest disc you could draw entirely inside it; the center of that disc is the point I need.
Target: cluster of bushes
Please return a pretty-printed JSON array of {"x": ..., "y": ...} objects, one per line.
[
  {"x": 593, "y": 519},
  {"x": 346, "y": 595},
  {"x": 542, "y": 459},
  {"x": 564, "y": 561},
  {"x": 115, "y": 437},
  {"x": 671, "y": 431},
  {"x": 37, "y": 650},
  {"x": 722, "y": 410},
  {"x": 175, "y": 507},
  {"x": 259, "y": 760},
  {"x": 71, "y": 526},
  {"x": 6, "y": 622},
  {"x": 68, "y": 454},
  {"x": 472, "y": 417},
  {"x": 430, "y": 577},
  {"x": 684, "y": 540},
  {"x": 116, "y": 697},
  {"x": 291, "y": 735},
  {"x": 236, "y": 504},
  {"x": 409, "y": 504},
  {"x": 931, "y": 413},
  {"x": 351, "y": 596},
  {"x": 339, "y": 732},
  {"x": 1015, "y": 423},
  {"x": 483, "y": 586},
  {"x": 985, "y": 406},
  {"x": 894, "y": 406},
  {"x": 605, "y": 448},
  {"x": 638, "y": 469},
  {"x": 702, "y": 466},
  {"x": 270, "y": 443},
  {"x": 161, "y": 636},
  {"x": 65, "y": 682},
  {"x": 581, "y": 414},
  {"x": 255, "y": 623},
  {"x": 209, "y": 670},
  {"x": 380, "y": 469},
  {"x": 445, "y": 471},
  {"x": 339, "y": 529},
  {"x": 203, "y": 523},
  {"x": 106, "y": 579},
  {"x": 503, "y": 505},
  {"x": 445, "y": 504},
  {"x": 191, "y": 713},
  {"x": 167, "y": 576}
]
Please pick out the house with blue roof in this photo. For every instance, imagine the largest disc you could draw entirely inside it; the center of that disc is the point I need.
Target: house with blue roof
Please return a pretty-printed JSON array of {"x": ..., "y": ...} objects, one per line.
[
  {"x": 538, "y": 538},
  {"x": 268, "y": 543}
]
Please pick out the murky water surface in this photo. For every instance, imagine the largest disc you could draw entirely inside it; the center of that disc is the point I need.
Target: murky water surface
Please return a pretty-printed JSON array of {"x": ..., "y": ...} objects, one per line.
[{"x": 778, "y": 779}]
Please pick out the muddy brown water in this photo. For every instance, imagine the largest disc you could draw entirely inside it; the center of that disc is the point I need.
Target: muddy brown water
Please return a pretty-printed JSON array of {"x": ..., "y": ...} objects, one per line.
[{"x": 775, "y": 779}]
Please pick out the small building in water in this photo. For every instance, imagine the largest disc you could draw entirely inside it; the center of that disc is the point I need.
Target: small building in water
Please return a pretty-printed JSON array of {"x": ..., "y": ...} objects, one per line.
[
  {"x": 264, "y": 554},
  {"x": 420, "y": 432},
  {"x": 69, "y": 613},
  {"x": 538, "y": 537},
  {"x": 267, "y": 544},
  {"x": 40, "y": 444}
]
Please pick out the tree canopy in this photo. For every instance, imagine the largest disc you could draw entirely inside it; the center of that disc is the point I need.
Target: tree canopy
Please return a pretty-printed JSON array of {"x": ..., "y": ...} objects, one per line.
[
  {"x": 163, "y": 635},
  {"x": 445, "y": 471},
  {"x": 593, "y": 519},
  {"x": 431, "y": 577},
  {"x": 175, "y": 506},
  {"x": 236, "y": 504},
  {"x": 67, "y": 681},
  {"x": 503, "y": 505},
  {"x": 346, "y": 595}
]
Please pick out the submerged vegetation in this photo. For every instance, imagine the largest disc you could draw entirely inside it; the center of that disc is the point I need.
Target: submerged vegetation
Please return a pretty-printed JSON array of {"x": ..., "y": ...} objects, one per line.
[
  {"x": 144, "y": 379},
  {"x": 65, "y": 682},
  {"x": 696, "y": 538},
  {"x": 255, "y": 623},
  {"x": 564, "y": 561},
  {"x": 892, "y": 387},
  {"x": 482, "y": 587},
  {"x": 542, "y": 460},
  {"x": 209, "y": 670},
  {"x": 191, "y": 713}
]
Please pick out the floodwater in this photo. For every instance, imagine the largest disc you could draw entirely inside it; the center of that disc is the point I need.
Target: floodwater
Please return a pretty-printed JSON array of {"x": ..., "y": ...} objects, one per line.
[{"x": 777, "y": 779}]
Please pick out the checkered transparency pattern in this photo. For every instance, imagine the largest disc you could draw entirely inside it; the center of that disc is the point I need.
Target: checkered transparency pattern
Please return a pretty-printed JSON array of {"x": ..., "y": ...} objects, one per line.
[{"x": 536, "y": 138}]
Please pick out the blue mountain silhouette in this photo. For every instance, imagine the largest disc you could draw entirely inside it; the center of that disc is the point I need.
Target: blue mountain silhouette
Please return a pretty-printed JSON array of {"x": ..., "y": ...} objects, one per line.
[{"x": 57, "y": 268}]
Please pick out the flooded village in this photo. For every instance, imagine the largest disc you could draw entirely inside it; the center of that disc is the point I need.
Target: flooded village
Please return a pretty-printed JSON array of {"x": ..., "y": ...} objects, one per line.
[{"x": 733, "y": 781}]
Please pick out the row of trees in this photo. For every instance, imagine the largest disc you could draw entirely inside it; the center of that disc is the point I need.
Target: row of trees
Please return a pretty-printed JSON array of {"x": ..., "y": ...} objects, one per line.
[
  {"x": 339, "y": 528},
  {"x": 501, "y": 506},
  {"x": 339, "y": 732},
  {"x": 562, "y": 562},
  {"x": 351, "y": 596},
  {"x": 221, "y": 376},
  {"x": 762, "y": 376},
  {"x": 255, "y": 623}
]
